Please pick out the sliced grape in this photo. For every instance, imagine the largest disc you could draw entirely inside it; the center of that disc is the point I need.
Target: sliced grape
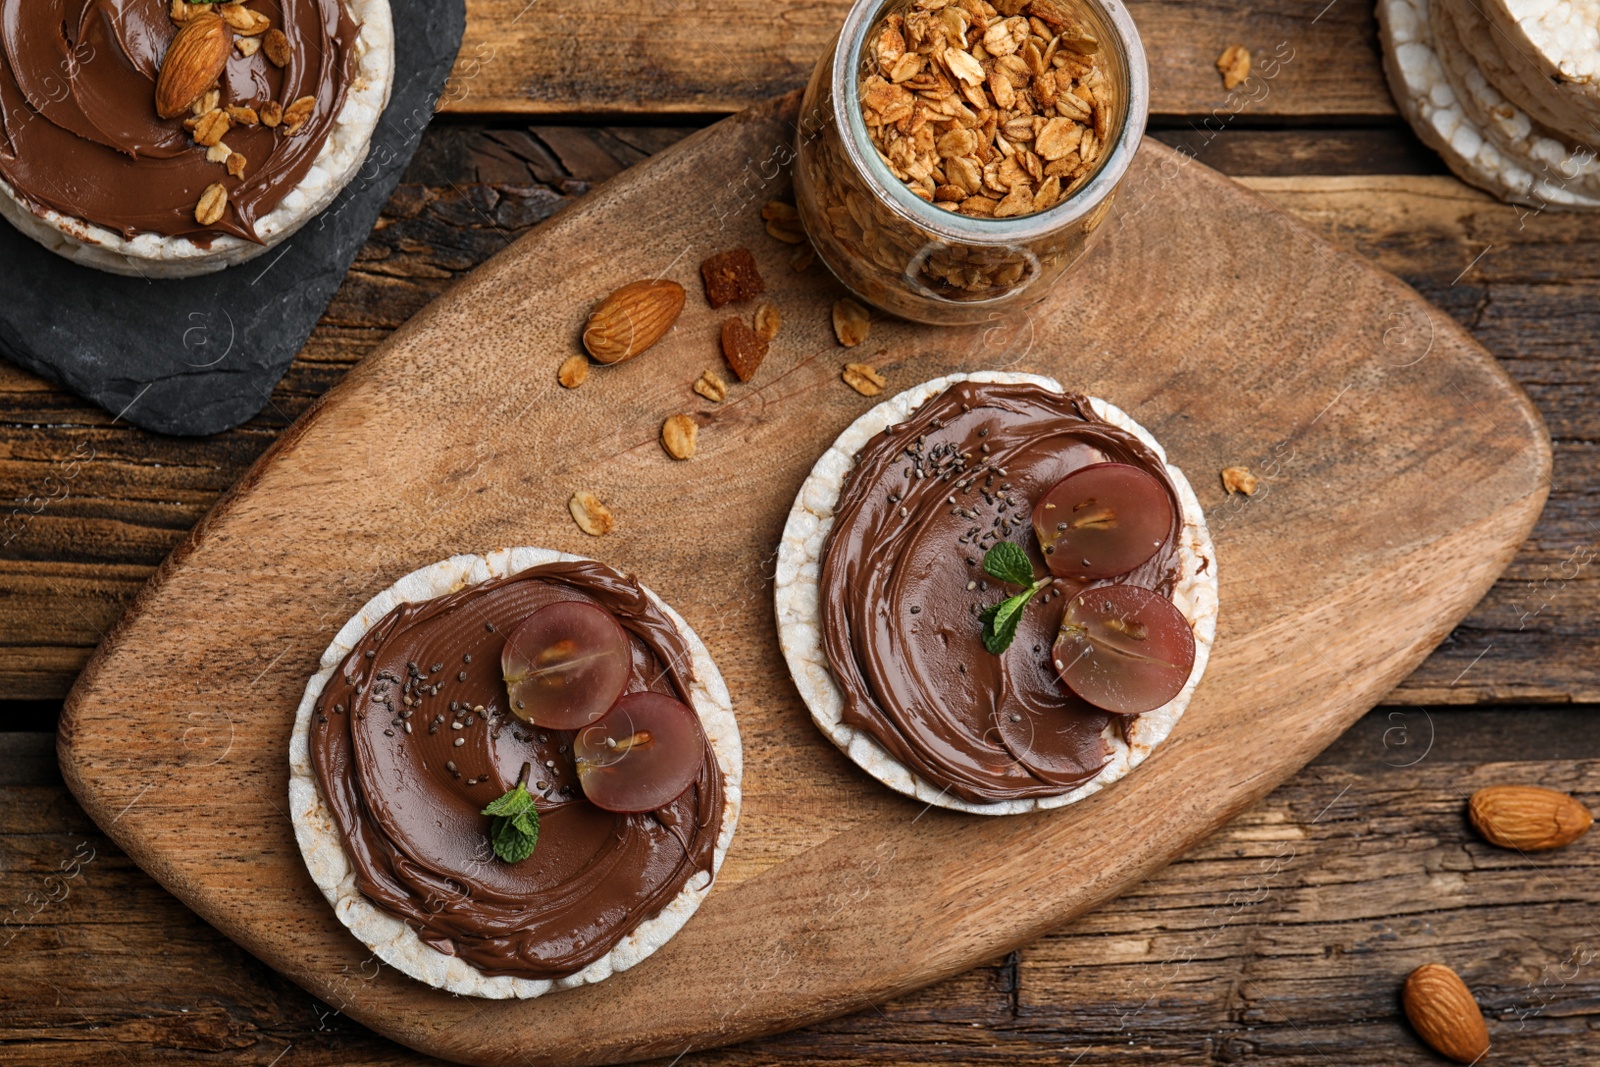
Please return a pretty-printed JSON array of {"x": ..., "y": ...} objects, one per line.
[
  {"x": 565, "y": 665},
  {"x": 1101, "y": 521},
  {"x": 641, "y": 755},
  {"x": 1124, "y": 649}
]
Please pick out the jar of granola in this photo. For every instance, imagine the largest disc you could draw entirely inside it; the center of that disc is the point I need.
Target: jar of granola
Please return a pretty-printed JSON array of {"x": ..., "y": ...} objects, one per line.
[{"x": 954, "y": 157}]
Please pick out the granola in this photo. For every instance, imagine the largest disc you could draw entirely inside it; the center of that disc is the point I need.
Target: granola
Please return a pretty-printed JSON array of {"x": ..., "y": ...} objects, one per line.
[{"x": 995, "y": 110}]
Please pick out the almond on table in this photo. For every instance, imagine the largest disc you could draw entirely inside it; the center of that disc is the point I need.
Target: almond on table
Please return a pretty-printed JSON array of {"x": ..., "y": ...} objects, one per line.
[{"x": 632, "y": 319}]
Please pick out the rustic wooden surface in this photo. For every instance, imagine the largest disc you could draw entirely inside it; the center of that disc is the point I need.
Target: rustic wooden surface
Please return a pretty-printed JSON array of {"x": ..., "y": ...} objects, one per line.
[
  {"x": 107, "y": 967},
  {"x": 1282, "y": 940},
  {"x": 455, "y": 435},
  {"x": 696, "y": 56}
]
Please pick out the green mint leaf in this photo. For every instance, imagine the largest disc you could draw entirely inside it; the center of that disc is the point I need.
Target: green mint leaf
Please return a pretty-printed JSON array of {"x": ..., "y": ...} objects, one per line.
[
  {"x": 511, "y": 843},
  {"x": 513, "y": 802},
  {"x": 1009, "y": 563},
  {"x": 1000, "y": 622},
  {"x": 514, "y": 830}
]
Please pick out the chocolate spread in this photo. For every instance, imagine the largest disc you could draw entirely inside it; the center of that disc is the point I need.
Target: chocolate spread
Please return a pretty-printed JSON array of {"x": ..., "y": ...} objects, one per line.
[
  {"x": 407, "y": 802},
  {"x": 903, "y": 585},
  {"x": 79, "y": 131}
]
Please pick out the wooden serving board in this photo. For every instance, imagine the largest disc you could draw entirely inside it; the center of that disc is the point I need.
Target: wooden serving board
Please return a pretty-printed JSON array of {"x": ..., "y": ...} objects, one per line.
[{"x": 1400, "y": 468}]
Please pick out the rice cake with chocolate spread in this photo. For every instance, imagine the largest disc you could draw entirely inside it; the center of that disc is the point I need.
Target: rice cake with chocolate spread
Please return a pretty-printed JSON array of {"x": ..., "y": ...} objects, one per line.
[
  {"x": 935, "y": 751},
  {"x": 92, "y": 172},
  {"x": 453, "y": 915}
]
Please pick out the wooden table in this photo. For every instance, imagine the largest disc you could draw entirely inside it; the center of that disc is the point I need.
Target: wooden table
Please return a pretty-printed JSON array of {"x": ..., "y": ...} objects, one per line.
[{"x": 1282, "y": 940}]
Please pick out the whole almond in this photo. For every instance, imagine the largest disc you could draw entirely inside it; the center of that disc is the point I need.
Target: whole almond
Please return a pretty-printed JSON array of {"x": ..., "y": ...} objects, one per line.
[
  {"x": 1441, "y": 1010},
  {"x": 632, "y": 319},
  {"x": 679, "y": 435},
  {"x": 1527, "y": 818},
  {"x": 193, "y": 62}
]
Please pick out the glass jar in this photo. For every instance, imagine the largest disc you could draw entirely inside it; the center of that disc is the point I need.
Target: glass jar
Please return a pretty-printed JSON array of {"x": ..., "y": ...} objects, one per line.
[{"x": 902, "y": 251}]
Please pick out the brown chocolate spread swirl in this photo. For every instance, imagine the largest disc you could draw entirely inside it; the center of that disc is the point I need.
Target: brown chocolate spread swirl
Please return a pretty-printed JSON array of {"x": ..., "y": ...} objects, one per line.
[
  {"x": 79, "y": 131},
  {"x": 407, "y": 803},
  {"x": 924, "y": 502}
]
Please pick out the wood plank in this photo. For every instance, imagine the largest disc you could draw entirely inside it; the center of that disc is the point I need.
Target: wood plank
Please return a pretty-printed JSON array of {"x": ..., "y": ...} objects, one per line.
[
  {"x": 444, "y": 425},
  {"x": 1531, "y": 299},
  {"x": 1383, "y": 876},
  {"x": 718, "y": 56}
]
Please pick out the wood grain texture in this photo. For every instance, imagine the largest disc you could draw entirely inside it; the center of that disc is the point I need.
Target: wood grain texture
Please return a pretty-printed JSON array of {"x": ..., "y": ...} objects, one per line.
[
  {"x": 68, "y": 571},
  {"x": 442, "y": 442},
  {"x": 639, "y": 57},
  {"x": 1282, "y": 939}
]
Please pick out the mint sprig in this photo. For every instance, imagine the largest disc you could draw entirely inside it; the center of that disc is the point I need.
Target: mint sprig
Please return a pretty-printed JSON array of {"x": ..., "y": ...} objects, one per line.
[
  {"x": 1007, "y": 562},
  {"x": 514, "y": 828}
]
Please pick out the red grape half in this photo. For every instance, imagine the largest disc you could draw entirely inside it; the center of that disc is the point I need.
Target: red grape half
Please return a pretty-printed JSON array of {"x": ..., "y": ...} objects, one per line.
[
  {"x": 641, "y": 755},
  {"x": 1124, "y": 649},
  {"x": 1101, "y": 521},
  {"x": 565, "y": 665}
]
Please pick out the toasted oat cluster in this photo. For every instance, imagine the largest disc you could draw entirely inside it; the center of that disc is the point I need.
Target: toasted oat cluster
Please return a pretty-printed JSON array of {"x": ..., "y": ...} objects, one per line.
[{"x": 992, "y": 109}]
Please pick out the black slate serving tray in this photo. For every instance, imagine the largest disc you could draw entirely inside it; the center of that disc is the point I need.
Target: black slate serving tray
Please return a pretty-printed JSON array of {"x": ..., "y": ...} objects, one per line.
[{"x": 200, "y": 355}]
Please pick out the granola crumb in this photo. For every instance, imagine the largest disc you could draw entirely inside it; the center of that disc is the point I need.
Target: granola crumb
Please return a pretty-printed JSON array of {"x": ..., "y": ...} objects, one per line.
[
  {"x": 851, "y": 324},
  {"x": 712, "y": 387},
  {"x": 573, "y": 373},
  {"x": 767, "y": 322},
  {"x": 1234, "y": 66},
  {"x": 679, "y": 435},
  {"x": 592, "y": 517},
  {"x": 863, "y": 378},
  {"x": 1239, "y": 480},
  {"x": 783, "y": 222}
]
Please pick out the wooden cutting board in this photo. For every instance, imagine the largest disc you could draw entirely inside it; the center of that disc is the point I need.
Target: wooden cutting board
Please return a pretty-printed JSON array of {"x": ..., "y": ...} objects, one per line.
[{"x": 1399, "y": 469}]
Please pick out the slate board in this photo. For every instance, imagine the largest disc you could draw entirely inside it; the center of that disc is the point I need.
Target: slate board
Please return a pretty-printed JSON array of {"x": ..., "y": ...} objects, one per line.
[{"x": 197, "y": 356}]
